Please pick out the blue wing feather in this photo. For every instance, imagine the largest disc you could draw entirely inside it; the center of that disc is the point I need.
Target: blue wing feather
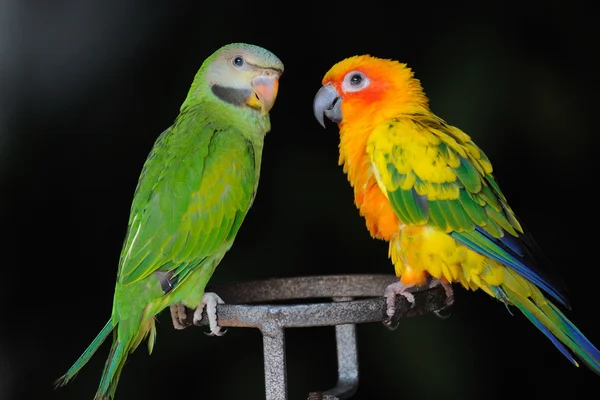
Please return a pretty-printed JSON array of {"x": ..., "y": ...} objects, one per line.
[{"x": 501, "y": 250}]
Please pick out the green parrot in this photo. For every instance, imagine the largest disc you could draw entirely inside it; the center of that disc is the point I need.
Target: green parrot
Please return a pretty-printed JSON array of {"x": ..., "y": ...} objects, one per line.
[{"x": 195, "y": 189}]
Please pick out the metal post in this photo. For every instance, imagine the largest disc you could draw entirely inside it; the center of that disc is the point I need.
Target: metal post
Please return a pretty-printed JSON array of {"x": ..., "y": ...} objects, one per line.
[
  {"x": 274, "y": 360},
  {"x": 247, "y": 306},
  {"x": 347, "y": 355}
]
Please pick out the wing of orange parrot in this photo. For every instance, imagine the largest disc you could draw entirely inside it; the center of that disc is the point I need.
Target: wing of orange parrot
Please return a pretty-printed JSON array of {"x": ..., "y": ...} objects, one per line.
[{"x": 433, "y": 174}]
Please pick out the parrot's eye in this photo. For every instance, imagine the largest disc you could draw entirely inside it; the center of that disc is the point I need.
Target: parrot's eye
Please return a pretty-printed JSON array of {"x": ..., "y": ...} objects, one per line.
[
  {"x": 355, "y": 81},
  {"x": 238, "y": 61}
]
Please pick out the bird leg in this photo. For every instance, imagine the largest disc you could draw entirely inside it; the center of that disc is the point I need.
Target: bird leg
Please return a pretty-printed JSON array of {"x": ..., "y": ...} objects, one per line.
[
  {"x": 391, "y": 291},
  {"x": 210, "y": 301},
  {"x": 179, "y": 316},
  {"x": 449, "y": 295}
]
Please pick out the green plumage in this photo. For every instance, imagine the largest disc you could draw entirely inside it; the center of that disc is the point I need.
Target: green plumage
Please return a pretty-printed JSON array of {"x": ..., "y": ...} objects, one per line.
[
  {"x": 471, "y": 198},
  {"x": 438, "y": 177},
  {"x": 195, "y": 188},
  {"x": 189, "y": 210},
  {"x": 556, "y": 326}
]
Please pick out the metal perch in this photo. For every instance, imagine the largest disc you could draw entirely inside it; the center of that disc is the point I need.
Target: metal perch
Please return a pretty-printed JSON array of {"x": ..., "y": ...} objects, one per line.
[{"x": 346, "y": 300}]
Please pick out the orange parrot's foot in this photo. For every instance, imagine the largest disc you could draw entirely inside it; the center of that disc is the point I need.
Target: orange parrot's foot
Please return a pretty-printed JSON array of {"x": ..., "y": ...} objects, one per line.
[
  {"x": 210, "y": 301},
  {"x": 390, "y": 293},
  {"x": 179, "y": 316},
  {"x": 449, "y": 295}
]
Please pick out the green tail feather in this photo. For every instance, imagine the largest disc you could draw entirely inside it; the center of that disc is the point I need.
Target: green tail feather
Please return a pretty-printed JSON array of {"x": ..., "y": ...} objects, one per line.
[
  {"x": 112, "y": 369},
  {"x": 85, "y": 357},
  {"x": 555, "y": 325}
]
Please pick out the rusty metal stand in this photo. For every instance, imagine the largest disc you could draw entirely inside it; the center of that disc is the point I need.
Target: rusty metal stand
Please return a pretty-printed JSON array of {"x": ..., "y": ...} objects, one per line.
[{"x": 344, "y": 301}]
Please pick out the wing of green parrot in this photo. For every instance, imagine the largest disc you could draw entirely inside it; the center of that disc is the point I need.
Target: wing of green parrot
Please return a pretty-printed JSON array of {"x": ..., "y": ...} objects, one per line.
[
  {"x": 189, "y": 202},
  {"x": 433, "y": 174}
]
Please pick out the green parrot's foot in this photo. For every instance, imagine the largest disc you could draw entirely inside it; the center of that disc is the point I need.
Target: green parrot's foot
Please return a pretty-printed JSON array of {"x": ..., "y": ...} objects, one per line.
[
  {"x": 449, "y": 296},
  {"x": 390, "y": 293},
  {"x": 179, "y": 316},
  {"x": 210, "y": 301}
]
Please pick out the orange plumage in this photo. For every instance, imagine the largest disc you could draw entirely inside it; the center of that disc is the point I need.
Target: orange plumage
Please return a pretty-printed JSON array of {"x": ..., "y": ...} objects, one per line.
[
  {"x": 365, "y": 110},
  {"x": 426, "y": 188}
]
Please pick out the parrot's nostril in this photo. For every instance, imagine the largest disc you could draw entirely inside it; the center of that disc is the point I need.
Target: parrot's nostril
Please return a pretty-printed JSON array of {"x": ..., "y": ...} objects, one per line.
[{"x": 333, "y": 103}]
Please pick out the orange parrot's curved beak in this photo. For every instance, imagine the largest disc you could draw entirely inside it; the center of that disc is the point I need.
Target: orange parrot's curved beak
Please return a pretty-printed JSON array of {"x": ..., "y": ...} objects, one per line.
[{"x": 327, "y": 103}]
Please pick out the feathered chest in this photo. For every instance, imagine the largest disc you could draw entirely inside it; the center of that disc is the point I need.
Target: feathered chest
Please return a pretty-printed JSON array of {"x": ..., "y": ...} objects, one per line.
[{"x": 372, "y": 203}]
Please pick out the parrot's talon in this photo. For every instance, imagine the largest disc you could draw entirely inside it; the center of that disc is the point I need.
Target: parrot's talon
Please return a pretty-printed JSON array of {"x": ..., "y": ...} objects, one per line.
[
  {"x": 217, "y": 333},
  {"x": 179, "y": 316},
  {"x": 390, "y": 293},
  {"x": 209, "y": 301},
  {"x": 449, "y": 296}
]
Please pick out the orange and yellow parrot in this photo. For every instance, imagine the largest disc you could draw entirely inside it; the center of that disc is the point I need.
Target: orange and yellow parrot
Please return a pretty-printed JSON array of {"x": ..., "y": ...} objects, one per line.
[{"x": 423, "y": 186}]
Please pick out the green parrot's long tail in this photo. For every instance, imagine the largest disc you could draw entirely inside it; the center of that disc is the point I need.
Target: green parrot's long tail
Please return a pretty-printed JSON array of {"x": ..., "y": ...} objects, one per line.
[
  {"x": 112, "y": 368},
  {"x": 125, "y": 340},
  {"x": 556, "y": 326},
  {"x": 85, "y": 357}
]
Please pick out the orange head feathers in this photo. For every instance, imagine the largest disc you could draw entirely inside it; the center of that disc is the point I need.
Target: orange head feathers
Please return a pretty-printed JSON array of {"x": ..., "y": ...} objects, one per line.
[
  {"x": 380, "y": 88},
  {"x": 359, "y": 93}
]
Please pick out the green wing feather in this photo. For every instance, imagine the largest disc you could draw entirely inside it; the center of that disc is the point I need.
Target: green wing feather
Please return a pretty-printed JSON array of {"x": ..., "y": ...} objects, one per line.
[
  {"x": 194, "y": 191},
  {"x": 433, "y": 174},
  {"x": 439, "y": 177}
]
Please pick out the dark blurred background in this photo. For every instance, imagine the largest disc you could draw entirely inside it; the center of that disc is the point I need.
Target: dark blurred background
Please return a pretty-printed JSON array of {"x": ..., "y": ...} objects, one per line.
[{"x": 86, "y": 88}]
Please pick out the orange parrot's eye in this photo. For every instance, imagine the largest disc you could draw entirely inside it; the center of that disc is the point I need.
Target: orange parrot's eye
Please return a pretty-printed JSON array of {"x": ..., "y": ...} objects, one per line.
[{"x": 355, "y": 81}]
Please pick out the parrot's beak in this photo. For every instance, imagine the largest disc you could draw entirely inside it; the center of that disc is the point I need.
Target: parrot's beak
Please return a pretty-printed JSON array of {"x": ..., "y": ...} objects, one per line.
[
  {"x": 265, "y": 88},
  {"x": 327, "y": 103}
]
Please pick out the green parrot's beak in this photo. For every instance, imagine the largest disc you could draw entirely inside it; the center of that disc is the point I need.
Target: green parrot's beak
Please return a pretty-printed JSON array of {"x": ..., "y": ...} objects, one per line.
[
  {"x": 265, "y": 88},
  {"x": 327, "y": 103}
]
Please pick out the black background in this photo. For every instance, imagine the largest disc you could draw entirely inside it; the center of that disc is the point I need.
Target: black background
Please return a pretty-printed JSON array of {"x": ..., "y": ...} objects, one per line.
[{"x": 88, "y": 86}]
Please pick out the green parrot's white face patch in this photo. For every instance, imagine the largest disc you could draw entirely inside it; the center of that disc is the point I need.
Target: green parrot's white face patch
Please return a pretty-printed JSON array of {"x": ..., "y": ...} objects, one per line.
[
  {"x": 244, "y": 76},
  {"x": 235, "y": 66},
  {"x": 230, "y": 76}
]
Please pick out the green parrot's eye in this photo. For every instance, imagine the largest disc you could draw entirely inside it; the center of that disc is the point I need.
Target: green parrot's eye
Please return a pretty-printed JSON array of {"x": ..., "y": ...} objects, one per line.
[{"x": 238, "y": 61}]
